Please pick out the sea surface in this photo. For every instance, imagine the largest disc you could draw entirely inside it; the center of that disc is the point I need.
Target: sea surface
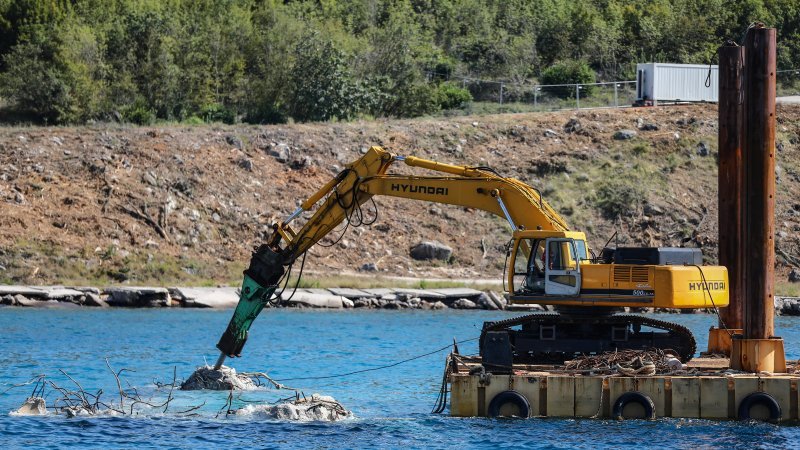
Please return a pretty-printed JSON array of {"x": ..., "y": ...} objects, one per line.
[{"x": 391, "y": 406}]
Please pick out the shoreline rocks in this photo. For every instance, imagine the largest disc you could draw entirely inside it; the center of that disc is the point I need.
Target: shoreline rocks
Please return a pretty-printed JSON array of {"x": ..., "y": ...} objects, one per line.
[{"x": 333, "y": 298}]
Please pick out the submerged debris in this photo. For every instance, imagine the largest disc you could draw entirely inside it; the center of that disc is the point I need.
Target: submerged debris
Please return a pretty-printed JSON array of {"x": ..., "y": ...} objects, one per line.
[
  {"x": 315, "y": 408},
  {"x": 224, "y": 379},
  {"x": 76, "y": 401}
]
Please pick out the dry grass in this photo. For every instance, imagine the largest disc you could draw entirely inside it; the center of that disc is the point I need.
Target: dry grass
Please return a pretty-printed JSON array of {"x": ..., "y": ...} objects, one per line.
[
  {"x": 356, "y": 281},
  {"x": 787, "y": 289}
]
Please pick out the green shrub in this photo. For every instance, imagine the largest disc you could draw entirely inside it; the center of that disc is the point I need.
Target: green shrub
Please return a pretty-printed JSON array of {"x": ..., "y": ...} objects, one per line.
[
  {"x": 217, "y": 113},
  {"x": 139, "y": 113},
  {"x": 418, "y": 100},
  {"x": 193, "y": 120},
  {"x": 266, "y": 112},
  {"x": 618, "y": 197},
  {"x": 450, "y": 96},
  {"x": 569, "y": 72}
]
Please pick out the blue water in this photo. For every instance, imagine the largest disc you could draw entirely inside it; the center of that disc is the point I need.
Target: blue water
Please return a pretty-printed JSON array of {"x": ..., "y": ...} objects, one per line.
[{"x": 391, "y": 406}]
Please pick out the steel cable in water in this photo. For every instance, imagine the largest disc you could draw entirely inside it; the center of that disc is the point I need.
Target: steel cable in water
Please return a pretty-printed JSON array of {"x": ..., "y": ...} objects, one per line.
[{"x": 371, "y": 369}]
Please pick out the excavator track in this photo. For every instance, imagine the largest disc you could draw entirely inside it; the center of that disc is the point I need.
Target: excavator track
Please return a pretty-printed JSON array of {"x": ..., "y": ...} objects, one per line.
[
  {"x": 689, "y": 345},
  {"x": 552, "y": 337}
]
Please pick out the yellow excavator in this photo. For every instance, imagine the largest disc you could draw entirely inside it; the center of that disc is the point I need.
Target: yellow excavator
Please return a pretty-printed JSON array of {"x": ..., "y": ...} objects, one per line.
[{"x": 546, "y": 264}]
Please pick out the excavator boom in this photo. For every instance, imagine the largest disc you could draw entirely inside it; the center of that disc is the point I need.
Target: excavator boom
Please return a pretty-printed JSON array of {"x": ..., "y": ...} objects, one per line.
[
  {"x": 554, "y": 266},
  {"x": 476, "y": 187}
]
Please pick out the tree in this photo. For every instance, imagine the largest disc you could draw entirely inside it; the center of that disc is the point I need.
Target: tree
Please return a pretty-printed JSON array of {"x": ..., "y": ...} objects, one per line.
[{"x": 322, "y": 87}]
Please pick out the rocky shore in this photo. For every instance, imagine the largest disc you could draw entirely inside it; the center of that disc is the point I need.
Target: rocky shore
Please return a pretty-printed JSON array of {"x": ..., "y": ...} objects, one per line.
[{"x": 333, "y": 298}]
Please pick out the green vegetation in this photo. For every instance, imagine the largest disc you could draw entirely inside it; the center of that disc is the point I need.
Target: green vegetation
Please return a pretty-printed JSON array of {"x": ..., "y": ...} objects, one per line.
[
  {"x": 34, "y": 261},
  {"x": 569, "y": 72},
  {"x": 269, "y": 61}
]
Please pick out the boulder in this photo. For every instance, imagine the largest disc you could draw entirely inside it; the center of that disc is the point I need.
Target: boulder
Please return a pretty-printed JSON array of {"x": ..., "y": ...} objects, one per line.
[
  {"x": 362, "y": 303},
  {"x": 234, "y": 141},
  {"x": 280, "y": 152},
  {"x": 486, "y": 303},
  {"x": 463, "y": 303},
  {"x": 702, "y": 149},
  {"x": 245, "y": 163},
  {"x": 349, "y": 293},
  {"x": 572, "y": 126},
  {"x": 624, "y": 135},
  {"x": 428, "y": 250},
  {"x": 21, "y": 300},
  {"x": 30, "y": 292},
  {"x": 456, "y": 293},
  {"x": 207, "y": 297},
  {"x": 317, "y": 408},
  {"x": 497, "y": 299},
  {"x": 63, "y": 294},
  {"x": 93, "y": 299},
  {"x": 315, "y": 300},
  {"x": 787, "y": 306},
  {"x": 550, "y": 133},
  {"x": 649, "y": 127},
  {"x": 224, "y": 379},
  {"x": 653, "y": 210},
  {"x": 368, "y": 267},
  {"x": 33, "y": 406},
  {"x": 439, "y": 305},
  {"x": 794, "y": 275},
  {"x": 138, "y": 297}
]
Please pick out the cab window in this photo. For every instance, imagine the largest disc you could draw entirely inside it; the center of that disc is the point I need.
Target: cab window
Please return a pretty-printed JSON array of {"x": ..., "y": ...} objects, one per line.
[{"x": 561, "y": 256}]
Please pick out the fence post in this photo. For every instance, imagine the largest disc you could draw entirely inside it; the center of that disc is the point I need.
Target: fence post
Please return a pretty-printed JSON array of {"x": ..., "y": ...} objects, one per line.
[
  {"x": 577, "y": 96},
  {"x": 616, "y": 101},
  {"x": 501, "y": 93},
  {"x": 535, "y": 97}
]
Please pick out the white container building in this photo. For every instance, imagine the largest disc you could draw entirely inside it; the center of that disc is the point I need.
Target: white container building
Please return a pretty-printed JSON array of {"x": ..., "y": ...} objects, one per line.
[{"x": 659, "y": 82}]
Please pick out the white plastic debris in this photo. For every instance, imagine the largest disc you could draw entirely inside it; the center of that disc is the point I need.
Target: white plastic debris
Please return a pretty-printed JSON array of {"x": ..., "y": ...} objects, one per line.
[
  {"x": 319, "y": 408},
  {"x": 674, "y": 363},
  {"x": 224, "y": 379}
]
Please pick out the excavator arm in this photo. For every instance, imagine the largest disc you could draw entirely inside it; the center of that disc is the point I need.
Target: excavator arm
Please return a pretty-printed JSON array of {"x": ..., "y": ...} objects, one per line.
[{"x": 475, "y": 187}]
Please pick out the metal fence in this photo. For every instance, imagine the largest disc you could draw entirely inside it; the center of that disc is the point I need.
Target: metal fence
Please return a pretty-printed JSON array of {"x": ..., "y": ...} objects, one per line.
[
  {"x": 788, "y": 82},
  {"x": 505, "y": 96},
  {"x": 488, "y": 95}
]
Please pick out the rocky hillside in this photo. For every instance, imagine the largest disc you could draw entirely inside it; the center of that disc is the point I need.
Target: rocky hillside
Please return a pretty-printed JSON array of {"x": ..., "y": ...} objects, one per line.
[{"x": 186, "y": 204}]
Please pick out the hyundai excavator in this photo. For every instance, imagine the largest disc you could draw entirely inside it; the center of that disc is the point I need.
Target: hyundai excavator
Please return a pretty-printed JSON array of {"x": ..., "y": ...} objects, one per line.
[{"x": 546, "y": 264}]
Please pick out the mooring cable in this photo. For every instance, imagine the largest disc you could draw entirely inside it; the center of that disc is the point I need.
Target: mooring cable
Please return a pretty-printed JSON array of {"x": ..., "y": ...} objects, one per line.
[{"x": 371, "y": 369}]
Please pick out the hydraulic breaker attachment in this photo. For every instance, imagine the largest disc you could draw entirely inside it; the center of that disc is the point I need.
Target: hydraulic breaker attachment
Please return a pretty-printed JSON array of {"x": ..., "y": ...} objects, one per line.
[{"x": 259, "y": 284}]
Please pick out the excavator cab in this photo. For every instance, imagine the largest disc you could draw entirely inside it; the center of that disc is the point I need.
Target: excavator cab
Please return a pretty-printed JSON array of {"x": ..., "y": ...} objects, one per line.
[{"x": 547, "y": 263}]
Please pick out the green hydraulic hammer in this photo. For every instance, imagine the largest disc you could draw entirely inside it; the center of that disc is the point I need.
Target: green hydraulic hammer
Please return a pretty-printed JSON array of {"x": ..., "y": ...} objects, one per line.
[{"x": 259, "y": 284}]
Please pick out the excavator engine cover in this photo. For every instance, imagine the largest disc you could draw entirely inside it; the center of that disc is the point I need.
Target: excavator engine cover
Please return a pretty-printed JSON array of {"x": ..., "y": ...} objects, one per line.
[{"x": 656, "y": 256}]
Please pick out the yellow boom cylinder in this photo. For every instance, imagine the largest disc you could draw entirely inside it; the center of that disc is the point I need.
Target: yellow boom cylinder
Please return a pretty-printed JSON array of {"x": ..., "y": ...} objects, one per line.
[{"x": 446, "y": 168}]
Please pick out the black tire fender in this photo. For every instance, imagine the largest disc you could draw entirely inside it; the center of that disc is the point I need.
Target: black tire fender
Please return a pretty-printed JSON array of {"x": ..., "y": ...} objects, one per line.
[
  {"x": 634, "y": 397},
  {"x": 760, "y": 398},
  {"x": 505, "y": 398}
]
